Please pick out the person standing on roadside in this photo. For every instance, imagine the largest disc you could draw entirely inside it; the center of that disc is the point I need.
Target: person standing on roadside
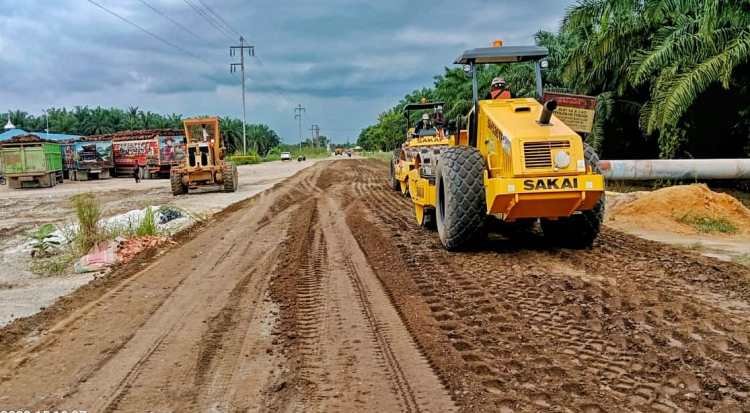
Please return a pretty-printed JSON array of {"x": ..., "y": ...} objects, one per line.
[{"x": 137, "y": 172}]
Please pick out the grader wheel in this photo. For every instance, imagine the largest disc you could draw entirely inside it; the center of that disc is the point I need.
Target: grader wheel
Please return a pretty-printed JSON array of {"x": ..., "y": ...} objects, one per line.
[
  {"x": 230, "y": 178},
  {"x": 178, "y": 188},
  {"x": 461, "y": 206},
  {"x": 581, "y": 229}
]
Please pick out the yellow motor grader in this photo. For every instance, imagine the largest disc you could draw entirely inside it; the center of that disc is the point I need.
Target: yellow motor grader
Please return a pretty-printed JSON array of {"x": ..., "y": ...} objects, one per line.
[
  {"x": 516, "y": 161},
  {"x": 204, "y": 163}
]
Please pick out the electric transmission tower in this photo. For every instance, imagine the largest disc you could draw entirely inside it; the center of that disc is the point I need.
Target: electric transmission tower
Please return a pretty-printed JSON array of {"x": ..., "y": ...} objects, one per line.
[
  {"x": 315, "y": 134},
  {"x": 233, "y": 50},
  {"x": 298, "y": 115}
]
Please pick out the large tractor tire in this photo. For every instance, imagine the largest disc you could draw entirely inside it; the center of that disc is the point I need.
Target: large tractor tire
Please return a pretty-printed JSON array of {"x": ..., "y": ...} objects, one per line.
[
  {"x": 178, "y": 187},
  {"x": 579, "y": 230},
  {"x": 461, "y": 207},
  {"x": 230, "y": 178},
  {"x": 395, "y": 184}
]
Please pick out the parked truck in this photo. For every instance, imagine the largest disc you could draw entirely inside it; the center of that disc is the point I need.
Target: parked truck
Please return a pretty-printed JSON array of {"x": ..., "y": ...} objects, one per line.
[
  {"x": 84, "y": 160},
  {"x": 153, "y": 151},
  {"x": 31, "y": 162}
]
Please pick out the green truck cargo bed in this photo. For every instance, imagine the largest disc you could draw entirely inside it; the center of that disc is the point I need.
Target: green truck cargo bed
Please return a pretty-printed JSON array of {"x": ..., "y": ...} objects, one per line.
[{"x": 31, "y": 164}]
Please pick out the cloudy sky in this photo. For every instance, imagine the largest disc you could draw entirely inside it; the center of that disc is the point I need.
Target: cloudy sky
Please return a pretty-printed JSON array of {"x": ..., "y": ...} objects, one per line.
[{"x": 344, "y": 60}]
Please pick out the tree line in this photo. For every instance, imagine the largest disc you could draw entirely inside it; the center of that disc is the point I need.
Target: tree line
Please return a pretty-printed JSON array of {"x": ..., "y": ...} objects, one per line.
[
  {"x": 670, "y": 76},
  {"x": 86, "y": 121}
]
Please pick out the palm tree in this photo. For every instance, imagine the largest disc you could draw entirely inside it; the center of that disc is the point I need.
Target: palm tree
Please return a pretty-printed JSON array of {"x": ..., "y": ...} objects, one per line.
[
  {"x": 701, "y": 44},
  {"x": 655, "y": 56}
]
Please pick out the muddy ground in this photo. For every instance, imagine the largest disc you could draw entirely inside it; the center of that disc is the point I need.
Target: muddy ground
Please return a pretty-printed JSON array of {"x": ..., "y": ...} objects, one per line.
[
  {"x": 322, "y": 294},
  {"x": 23, "y": 293}
]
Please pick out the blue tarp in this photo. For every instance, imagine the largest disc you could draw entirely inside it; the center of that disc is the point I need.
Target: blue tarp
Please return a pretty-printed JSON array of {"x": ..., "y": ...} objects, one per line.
[{"x": 51, "y": 136}]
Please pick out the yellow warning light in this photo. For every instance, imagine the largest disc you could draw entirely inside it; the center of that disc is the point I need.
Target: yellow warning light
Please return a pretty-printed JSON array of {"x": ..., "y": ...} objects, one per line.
[{"x": 497, "y": 43}]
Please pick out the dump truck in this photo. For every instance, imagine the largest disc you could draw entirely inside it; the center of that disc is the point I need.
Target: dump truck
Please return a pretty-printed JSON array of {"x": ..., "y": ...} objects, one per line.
[
  {"x": 85, "y": 160},
  {"x": 515, "y": 161},
  {"x": 153, "y": 151},
  {"x": 204, "y": 164},
  {"x": 29, "y": 161},
  {"x": 421, "y": 142}
]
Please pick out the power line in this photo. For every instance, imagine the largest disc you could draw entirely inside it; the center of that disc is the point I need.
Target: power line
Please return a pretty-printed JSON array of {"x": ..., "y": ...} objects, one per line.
[
  {"x": 175, "y": 22},
  {"x": 209, "y": 19},
  {"x": 150, "y": 33},
  {"x": 219, "y": 18}
]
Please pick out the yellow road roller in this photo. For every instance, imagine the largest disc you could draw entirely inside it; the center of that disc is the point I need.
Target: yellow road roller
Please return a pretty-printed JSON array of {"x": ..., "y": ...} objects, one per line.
[{"x": 515, "y": 161}]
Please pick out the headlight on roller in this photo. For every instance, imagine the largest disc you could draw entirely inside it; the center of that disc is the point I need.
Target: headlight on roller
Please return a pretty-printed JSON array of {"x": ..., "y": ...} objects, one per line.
[
  {"x": 506, "y": 145},
  {"x": 562, "y": 160}
]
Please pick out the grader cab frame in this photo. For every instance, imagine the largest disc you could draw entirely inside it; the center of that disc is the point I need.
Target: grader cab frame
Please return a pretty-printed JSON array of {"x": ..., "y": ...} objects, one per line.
[{"x": 204, "y": 163}]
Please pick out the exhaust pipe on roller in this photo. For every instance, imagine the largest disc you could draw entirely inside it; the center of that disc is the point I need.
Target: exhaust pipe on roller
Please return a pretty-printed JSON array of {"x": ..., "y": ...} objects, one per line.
[{"x": 547, "y": 109}]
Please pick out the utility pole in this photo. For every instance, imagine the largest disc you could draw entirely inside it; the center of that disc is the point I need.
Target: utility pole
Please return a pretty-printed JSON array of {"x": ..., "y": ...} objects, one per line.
[
  {"x": 298, "y": 115},
  {"x": 233, "y": 68},
  {"x": 315, "y": 133}
]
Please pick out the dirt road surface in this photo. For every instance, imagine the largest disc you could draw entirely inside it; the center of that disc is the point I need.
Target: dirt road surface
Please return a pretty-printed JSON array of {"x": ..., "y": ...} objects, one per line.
[
  {"x": 23, "y": 293},
  {"x": 321, "y": 294}
]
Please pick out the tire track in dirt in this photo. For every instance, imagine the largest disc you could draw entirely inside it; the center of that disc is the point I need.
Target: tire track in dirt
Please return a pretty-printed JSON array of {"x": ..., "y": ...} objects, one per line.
[
  {"x": 351, "y": 349},
  {"x": 539, "y": 329},
  {"x": 143, "y": 334}
]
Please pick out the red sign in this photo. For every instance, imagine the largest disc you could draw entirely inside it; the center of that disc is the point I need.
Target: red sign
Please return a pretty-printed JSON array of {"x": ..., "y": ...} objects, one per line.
[
  {"x": 576, "y": 111},
  {"x": 571, "y": 101}
]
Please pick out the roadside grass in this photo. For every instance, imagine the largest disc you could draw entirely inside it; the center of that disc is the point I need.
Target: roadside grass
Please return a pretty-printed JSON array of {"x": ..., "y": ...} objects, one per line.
[
  {"x": 381, "y": 156},
  {"x": 57, "y": 264},
  {"x": 251, "y": 157},
  {"x": 709, "y": 225},
  {"x": 89, "y": 213},
  {"x": 147, "y": 226},
  {"x": 310, "y": 153},
  {"x": 50, "y": 258}
]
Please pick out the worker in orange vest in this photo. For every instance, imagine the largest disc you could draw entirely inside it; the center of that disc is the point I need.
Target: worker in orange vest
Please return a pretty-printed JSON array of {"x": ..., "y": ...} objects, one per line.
[{"x": 499, "y": 89}]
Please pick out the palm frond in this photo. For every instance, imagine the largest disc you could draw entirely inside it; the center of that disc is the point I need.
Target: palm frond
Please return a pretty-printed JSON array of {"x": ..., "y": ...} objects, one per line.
[{"x": 688, "y": 86}]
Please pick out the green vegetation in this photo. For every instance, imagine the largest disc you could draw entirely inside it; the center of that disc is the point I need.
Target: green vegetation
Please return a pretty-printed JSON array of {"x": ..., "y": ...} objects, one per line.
[
  {"x": 42, "y": 245},
  {"x": 249, "y": 159},
  {"x": 51, "y": 258},
  {"x": 88, "y": 213},
  {"x": 56, "y": 264},
  {"x": 379, "y": 155},
  {"x": 671, "y": 78},
  {"x": 96, "y": 121},
  {"x": 147, "y": 226},
  {"x": 709, "y": 225},
  {"x": 310, "y": 153}
]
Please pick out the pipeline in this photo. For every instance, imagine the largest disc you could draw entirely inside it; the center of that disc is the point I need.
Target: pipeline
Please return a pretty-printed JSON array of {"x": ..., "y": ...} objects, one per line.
[{"x": 687, "y": 169}]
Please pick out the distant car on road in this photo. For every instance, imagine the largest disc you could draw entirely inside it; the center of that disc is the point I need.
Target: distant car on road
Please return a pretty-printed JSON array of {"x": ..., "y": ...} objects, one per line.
[
  {"x": 301, "y": 158},
  {"x": 286, "y": 156}
]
